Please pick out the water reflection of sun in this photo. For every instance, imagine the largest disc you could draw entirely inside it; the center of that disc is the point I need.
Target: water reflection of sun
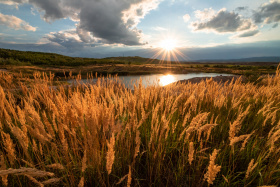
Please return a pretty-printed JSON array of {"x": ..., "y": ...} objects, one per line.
[{"x": 166, "y": 79}]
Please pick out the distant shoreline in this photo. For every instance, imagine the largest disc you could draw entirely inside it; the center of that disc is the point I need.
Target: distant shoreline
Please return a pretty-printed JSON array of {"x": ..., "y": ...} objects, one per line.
[{"x": 219, "y": 79}]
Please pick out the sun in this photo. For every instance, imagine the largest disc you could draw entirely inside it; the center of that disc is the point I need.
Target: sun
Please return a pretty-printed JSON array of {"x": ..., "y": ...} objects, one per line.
[
  {"x": 168, "y": 44},
  {"x": 167, "y": 49}
]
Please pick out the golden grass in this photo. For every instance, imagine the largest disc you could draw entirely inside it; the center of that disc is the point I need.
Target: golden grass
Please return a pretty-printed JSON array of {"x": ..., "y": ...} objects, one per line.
[{"x": 103, "y": 134}]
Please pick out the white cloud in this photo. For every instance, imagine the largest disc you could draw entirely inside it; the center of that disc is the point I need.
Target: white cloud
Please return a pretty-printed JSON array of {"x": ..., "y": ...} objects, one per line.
[
  {"x": 204, "y": 15},
  {"x": 15, "y": 23},
  {"x": 186, "y": 17},
  {"x": 137, "y": 11},
  {"x": 72, "y": 39},
  {"x": 159, "y": 29},
  {"x": 68, "y": 39},
  {"x": 84, "y": 35},
  {"x": 12, "y": 2},
  {"x": 248, "y": 34}
]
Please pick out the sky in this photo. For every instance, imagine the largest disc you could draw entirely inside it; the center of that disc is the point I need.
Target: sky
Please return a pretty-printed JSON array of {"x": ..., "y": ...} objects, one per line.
[{"x": 194, "y": 29}]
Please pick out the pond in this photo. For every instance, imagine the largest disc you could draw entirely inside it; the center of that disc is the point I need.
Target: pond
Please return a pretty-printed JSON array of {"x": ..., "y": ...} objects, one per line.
[{"x": 159, "y": 79}]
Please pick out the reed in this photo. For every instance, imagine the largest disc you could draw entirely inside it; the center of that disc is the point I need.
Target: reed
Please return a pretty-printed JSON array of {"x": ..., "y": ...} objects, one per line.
[{"x": 103, "y": 134}]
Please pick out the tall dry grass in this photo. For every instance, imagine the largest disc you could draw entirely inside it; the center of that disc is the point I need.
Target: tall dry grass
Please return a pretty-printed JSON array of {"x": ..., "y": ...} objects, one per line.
[{"x": 106, "y": 135}]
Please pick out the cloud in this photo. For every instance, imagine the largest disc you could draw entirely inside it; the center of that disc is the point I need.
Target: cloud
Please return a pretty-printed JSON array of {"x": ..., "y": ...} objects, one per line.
[
  {"x": 104, "y": 20},
  {"x": 13, "y": 2},
  {"x": 206, "y": 14},
  {"x": 275, "y": 25},
  {"x": 159, "y": 29},
  {"x": 52, "y": 9},
  {"x": 137, "y": 11},
  {"x": 70, "y": 40},
  {"x": 268, "y": 13},
  {"x": 15, "y": 23},
  {"x": 248, "y": 34},
  {"x": 85, "y": 36},
  {"x": 112, "y": 20},
  {"x": 33, "y": 11},
  {"x": 186, "y": 17},
  {"x": 222, "y": 22},
  {"x": 241, "y": 8}
]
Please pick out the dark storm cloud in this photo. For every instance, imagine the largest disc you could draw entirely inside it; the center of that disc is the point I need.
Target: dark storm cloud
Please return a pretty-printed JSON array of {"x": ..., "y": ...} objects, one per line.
[
  {"x": 114, "y": 21},
  {"x": 223, "y": 22},
  {"x": 248, "y": 34},
  {"x": 268, "y": 13},
  {"x": 51, "y": 7},
  {"x": 104, "y": 20}
]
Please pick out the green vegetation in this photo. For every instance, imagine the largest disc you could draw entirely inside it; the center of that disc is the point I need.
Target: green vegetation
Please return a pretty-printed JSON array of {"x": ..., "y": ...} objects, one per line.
[{"x": 13, "y": 57}]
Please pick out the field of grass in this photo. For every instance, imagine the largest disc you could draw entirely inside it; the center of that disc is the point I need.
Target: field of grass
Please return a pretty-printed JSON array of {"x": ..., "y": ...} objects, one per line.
[{"x": 106, "y": 135}]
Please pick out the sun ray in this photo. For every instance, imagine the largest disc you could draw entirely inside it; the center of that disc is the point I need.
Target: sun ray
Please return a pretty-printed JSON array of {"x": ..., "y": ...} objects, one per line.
[{"x": 167, "y": 52}]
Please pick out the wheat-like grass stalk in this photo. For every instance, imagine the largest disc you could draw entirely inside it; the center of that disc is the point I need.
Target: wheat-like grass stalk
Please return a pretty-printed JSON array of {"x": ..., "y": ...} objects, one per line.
[
  {"x": 129, "y": 178},
  {"x": 110, "y": 157},
  {"x": 246, "y": 140},
  {"x": 225, "y": 178},
  {"x": 122, "y": 179},
  {"x": 234, "y": 140},
  {"x": 56, "y": 166},
  {"x": 236, "y": 125},
  {"x": 191, "y": 153},
  {"x": 9, "y": 146},
  {"x": 35, "y": 181},
  {"x": 84, "y": 161},
  {"x": 250, "y": 168},
  {"x": 213, "y": 169},
  {"x": 28, "y": 171},
  {"x": 137, "y": 142},
  {"x": 51, "y": 181},
  {"x": 82, "y": 182},
  {"x": 3, "y": 167}
]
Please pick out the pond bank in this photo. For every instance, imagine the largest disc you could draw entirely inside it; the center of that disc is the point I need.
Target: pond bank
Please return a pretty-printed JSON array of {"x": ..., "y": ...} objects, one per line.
[{"x": 219, "y": 79}]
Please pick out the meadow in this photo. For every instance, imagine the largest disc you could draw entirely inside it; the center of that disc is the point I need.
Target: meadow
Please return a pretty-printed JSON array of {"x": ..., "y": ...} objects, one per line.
[{"x": 103, "y": 134}]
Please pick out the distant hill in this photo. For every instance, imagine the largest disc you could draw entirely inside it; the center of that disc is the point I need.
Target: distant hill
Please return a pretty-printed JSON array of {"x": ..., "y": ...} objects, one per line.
[
  {"x": 14, "y": 57},
  {"x": 252, "y": 59}
]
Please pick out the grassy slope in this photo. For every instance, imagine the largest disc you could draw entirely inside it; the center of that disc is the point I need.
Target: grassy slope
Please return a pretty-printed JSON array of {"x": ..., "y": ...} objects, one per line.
[{"x": 13, "y": 57}]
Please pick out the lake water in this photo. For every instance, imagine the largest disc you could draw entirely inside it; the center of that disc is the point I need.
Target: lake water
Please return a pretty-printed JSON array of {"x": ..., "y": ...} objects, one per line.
[{"x": 160, "y": 79}]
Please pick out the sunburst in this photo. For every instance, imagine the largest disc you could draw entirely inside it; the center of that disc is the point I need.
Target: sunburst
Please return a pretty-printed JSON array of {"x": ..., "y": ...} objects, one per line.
[
  {"x": 168, "y": 44},
  {"x": 167, "y": 51}
]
